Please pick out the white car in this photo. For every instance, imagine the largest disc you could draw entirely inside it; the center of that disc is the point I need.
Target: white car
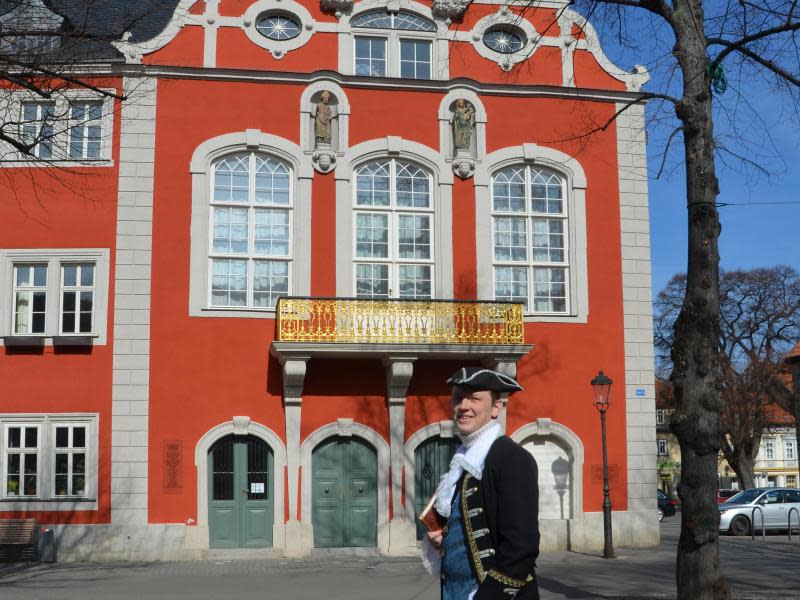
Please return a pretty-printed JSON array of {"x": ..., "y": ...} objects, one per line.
[{"x": 774, "y": 503}]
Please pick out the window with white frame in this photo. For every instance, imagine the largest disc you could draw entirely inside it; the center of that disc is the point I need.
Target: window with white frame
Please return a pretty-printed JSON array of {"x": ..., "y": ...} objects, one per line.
[
  {"x": 791, "y": 481},
  {"x": 662, "y": 447},
  {"x": 250, "y": 239},
  {"x": 661, "y": 418},
  {"x": 393, "y": 224},
  {"x": 37, "y": 127},
  {"x": 789, "y": 450},
  {"x": 54, "y": 293},
  {"x": 77, "y": 297},
  {"x": 530, "y": 245},
  {"x": 769, "y": 449},
  {"x": 85, "y": 129},
  {"x": 393, "y": 44},
  {"x": 48, "y": 457},
  {"x": 30, "y": 298}
]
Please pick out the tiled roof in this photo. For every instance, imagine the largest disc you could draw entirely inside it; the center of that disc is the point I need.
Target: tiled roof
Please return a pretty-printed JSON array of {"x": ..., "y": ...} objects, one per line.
[
  {"x": 794, "y": 353},
  {"x": 102, "y": 21}
]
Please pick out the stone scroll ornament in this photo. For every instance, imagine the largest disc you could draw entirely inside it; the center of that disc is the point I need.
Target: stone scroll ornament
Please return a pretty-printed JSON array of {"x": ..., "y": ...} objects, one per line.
[{"x": 449, "y": 9}]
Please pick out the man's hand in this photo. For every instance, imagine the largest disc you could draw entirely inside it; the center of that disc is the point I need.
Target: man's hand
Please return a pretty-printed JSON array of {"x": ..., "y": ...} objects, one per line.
[{"x": 435, "y": 538}]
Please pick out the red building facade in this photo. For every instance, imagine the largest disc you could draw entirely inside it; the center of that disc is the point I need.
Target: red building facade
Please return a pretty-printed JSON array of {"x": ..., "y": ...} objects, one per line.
[{"x": 415, "y": 184}]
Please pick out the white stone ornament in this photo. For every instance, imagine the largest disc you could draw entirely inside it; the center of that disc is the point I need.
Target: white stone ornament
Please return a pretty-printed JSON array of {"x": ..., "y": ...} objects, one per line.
[
  {"x": 324, "y": 160},
  {"x": 463, "y": 167},
  {"x": 449, "y": 9}
]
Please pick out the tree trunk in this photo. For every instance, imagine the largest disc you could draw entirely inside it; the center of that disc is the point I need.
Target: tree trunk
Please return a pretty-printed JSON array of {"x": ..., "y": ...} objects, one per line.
[
  {"x": 695, "y": 350},
  {"x": 743, "y": 464}
]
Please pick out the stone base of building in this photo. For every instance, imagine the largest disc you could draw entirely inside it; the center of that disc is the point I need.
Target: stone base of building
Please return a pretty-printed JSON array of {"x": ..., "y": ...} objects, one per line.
[{"x": 637, "y": 529}]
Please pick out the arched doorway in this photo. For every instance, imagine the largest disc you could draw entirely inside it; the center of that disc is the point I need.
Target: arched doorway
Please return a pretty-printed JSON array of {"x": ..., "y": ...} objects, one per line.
[
  {"x": 344, "y": 493},
  {"x": 431, "y": 460},
  {"x": 240, "y": 493},
  {"x": 555, "y": 477}
]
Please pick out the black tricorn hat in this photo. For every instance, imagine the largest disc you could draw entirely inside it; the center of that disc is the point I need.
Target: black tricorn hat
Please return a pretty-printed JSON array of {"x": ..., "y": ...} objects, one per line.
[{"x": 479, "y": 379}]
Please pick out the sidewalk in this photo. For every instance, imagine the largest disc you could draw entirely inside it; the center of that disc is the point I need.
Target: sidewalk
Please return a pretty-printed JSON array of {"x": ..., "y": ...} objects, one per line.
[{"x": 754, "y": 569}]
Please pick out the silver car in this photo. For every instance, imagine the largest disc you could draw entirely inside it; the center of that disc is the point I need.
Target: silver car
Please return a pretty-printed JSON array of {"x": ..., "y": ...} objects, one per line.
[{"x": 775, "y": 504}]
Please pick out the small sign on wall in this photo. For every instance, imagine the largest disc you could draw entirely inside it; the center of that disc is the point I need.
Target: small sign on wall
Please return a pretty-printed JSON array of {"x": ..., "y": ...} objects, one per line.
[
  {"x": 597, "y": 473},
  {"x": 256, "y": 488},
  {"x": 173, "y": 463},
  {"x": 640, "y": 391}
]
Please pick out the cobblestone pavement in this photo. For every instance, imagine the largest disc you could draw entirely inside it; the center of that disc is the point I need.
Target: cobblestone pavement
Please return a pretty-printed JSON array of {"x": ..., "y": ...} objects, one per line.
[{"x": 754, "y": 569}]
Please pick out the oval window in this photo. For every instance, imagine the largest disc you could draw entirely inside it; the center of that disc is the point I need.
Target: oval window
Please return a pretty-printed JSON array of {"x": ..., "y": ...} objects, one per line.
[
  {"x": 278, "y": 27},
  {"x": 504, "y": 41}
]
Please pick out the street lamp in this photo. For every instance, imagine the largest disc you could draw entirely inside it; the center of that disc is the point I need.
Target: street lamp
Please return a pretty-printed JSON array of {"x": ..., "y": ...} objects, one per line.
[{"x": 601, "y": 386}]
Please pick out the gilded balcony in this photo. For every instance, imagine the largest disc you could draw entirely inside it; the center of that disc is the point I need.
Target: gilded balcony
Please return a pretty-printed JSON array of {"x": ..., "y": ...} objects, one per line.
[{"x": 369, "y": 321}]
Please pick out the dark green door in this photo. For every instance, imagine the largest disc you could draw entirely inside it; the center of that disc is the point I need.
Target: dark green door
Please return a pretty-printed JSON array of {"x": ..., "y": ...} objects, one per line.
[
  {"x": 431, "y": 461},
  {"x": 345, "y": 493},
  {"x": 240, "y": 482}
]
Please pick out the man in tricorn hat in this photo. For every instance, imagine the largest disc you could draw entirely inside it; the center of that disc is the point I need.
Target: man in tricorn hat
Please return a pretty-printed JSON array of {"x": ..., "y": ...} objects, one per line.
[{"x": 489, "y": 500}]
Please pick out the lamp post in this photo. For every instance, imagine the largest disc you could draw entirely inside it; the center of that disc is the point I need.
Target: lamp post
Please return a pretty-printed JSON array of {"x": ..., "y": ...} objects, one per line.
[{"x": 601, "y": 385}]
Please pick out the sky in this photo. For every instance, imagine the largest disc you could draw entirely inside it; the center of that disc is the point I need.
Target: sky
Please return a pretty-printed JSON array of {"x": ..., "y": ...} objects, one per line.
[{"x": 755, "y": 234}]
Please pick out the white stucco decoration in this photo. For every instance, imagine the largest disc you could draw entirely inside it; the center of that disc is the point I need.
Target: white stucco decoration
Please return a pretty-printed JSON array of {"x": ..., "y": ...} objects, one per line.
[
  {"x": 278, "y": 48},
  {"x": 633, "y": 80},
  {"x": 337, "y": 6},
  {"x": 134, "y": 51},
  {"x": 449, "y": 9},
  {"x": 507, "y": 18}
]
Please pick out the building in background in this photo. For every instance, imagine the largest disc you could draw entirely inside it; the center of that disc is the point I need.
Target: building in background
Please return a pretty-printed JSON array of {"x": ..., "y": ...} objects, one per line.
[{"x": 229, "y": 321}]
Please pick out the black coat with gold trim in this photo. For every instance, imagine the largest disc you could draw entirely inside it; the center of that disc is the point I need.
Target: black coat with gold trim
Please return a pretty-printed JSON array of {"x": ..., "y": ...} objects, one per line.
[{"x": 500, "y": 514}]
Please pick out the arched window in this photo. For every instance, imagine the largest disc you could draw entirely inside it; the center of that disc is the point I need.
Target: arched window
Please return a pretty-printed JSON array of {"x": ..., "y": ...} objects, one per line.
[
  {"x": 250, "y": 223},
  {"x": 393, "y": 224},
  {"x": 393, "y": 44},
  {"x": 530, "y": 246}
]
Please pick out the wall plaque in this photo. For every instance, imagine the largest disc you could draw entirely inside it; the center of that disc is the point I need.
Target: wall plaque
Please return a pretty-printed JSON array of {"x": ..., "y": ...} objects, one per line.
[
  {"x": 597, "y": 473},
  {"x": 173, "y": 463}
]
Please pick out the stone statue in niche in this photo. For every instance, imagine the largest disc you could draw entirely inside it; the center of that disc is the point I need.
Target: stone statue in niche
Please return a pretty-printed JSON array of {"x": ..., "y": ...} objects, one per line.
[
  {"x": 463, "y": 122},
  {"x": 323, "y": 114}
]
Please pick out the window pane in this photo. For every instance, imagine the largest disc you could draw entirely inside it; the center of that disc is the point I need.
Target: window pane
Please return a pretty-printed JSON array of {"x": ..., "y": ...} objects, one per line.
[
  {"x": 61, "y": 484},
  {"x": 378, "y": 19},
  {"x": 415, "y": 59},
  {"x": 414, "y": 281},
  {"x": 413, "y": 186},
  {"x": 62, "y": 437},
  {"x": 370, "y": 56},
  {"x": 549, "y": 290},
  {"x": 78, "y": 437},
  {"x": 372, "y": 185},
  {"x": 510, "y": 239},
  {"x": 372, "y": 281},
  {"x": 511, "y": 284},
  {"x": 70, "y": 273},
  {"x": 548, "y": 240},
  {"x": 231, "y": 179},
  {"x": 414, "y": 236},
  {"x": 270, "y": 281},
  {"x": 412, "y": 22},
  {"x": 230, "y": 230},
  {"x": 228, "y": 282},
  {"x": 508, "y": 190},
  {"x": 272, "y": 181},
  {"x": 372, "y": 235},
  {"x": 31, "y": 437},
  {"x": 546, "y": 192},
  {"x": 14, "y": 463},
  {"x": 87, "y": 275},
  {"x": 271, "y": 236},
  {"x": 14, "y": 437}
]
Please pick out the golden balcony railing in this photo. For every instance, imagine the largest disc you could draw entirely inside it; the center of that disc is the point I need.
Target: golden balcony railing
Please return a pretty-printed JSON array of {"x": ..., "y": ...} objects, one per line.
[{"x": 398, "y": 321}]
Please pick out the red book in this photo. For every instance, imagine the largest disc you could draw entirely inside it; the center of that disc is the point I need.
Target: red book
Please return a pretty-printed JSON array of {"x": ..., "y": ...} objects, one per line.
[{"x": 430, "y": 518}]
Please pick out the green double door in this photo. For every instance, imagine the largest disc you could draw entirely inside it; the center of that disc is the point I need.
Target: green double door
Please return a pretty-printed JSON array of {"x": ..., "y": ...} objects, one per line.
[
  {"x": 241, "y": 504},
  {"x": 344, "y": 489},
  {"x": 431, "y": 461}
]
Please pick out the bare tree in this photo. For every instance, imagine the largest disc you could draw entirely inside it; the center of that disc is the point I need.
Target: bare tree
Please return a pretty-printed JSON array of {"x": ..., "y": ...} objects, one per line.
[
  {"x": 760, "y": 320},
  {"x": 48, "y": 51}
]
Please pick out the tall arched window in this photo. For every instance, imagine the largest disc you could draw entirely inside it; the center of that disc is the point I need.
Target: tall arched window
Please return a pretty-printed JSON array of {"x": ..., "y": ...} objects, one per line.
[
  {"x": 393, "y": 247},
  {"x": 530, "y": 251},
  {"x": 393, "y": 44},
  {"x": 250, "y": 231}
]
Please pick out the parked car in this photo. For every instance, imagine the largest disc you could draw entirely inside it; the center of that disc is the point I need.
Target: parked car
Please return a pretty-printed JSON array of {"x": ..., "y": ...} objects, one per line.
[
  {"x": 724, "y": 494},
  {"x": 775, "y": 504},
  {"x": 666, "y": 506}
]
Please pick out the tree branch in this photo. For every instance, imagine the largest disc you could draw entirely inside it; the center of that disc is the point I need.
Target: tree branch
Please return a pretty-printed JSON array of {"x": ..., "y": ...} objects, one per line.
[
  {"x": 767, "y": 64},
  {"x": 732, "y": 46}
]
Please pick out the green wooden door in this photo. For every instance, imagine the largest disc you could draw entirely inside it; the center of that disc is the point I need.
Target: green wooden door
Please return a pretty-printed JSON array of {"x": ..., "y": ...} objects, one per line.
[
  {"x": 345, "y": 494},
  {"x": 431, "y": 461},
  {"x": 240, "y": 492}
]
